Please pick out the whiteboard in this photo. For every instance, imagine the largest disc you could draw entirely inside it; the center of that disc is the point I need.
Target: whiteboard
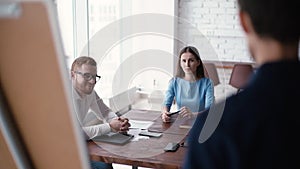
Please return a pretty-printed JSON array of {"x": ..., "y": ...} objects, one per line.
[{"x": 34, "y": 78}]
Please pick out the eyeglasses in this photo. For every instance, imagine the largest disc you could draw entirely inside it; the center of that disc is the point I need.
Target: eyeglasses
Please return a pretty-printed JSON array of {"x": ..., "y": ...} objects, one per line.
[{"x": 88, "y": 76}]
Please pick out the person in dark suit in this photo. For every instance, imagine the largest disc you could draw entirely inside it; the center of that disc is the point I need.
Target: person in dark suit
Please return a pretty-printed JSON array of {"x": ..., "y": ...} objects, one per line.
[{"x": 258, "y": 127}]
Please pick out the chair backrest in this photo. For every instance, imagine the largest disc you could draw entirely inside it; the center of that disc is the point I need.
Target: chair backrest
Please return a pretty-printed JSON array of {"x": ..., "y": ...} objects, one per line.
[
  {"x": 123, "y": 100},
  {"x": 210, "y": 71},
  {"x": 240, "y": 75}
]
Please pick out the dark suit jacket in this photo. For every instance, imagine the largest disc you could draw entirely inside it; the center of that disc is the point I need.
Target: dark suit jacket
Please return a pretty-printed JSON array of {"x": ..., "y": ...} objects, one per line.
[{"x": 259, "y": 127}]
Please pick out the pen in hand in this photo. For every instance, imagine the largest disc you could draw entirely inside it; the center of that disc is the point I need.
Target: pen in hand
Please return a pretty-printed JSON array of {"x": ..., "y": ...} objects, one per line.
[{"x": 172, "y": 113}]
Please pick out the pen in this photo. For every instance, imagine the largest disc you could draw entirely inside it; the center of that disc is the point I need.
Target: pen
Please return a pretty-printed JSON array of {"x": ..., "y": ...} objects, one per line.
[
  {"x": 172, "y": 113},
  {"x": 118, "y": 114}
]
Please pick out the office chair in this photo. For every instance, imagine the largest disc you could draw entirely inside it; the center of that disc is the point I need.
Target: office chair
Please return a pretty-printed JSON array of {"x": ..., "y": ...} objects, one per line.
[
  {"x": 210, "y": 71},
  {"x": 240, "y": 75}
]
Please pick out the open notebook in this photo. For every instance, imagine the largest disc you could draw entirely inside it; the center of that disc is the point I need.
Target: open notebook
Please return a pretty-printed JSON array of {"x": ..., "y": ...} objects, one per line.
[{"x": 114, "y": 138}]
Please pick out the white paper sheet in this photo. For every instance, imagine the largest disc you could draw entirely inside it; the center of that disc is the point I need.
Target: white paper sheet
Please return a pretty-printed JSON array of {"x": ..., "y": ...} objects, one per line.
[{"x": 139, "y": 124}]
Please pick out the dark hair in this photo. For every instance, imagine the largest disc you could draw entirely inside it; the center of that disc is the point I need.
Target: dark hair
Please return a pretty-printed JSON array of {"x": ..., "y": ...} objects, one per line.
[
  {"x": 277, "y": 19},
  {"x": 78, "y": 62},
  {"x": 194, "y": 51}
]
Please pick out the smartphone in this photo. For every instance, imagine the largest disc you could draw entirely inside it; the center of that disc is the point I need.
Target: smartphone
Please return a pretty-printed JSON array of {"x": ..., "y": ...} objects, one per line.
[
  {"x": 172, "y": 113},
  {"x": 150, "y": 134},
  {"x": 171, "y": 147}
]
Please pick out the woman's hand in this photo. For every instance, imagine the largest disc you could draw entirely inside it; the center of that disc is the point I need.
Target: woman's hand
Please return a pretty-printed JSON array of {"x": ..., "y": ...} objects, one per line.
[
  {"x": 185, "y": 112},
  {"x": 165, "y": 117}
]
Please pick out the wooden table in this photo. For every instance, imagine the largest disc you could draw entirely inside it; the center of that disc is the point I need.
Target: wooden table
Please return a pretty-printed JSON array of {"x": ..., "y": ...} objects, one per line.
[{"x": 145, "y": 152}]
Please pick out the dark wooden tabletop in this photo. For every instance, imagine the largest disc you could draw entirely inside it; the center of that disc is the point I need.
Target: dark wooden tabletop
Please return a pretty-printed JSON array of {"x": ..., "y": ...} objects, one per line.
[{"x": 145, "y": 152}]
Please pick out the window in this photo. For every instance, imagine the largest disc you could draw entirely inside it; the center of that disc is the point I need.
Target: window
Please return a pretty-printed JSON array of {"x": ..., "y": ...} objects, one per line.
[{"x": 132, "y": 41}]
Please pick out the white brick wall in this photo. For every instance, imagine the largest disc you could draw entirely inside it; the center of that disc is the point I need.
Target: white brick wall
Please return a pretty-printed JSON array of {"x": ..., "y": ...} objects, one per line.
[{"x": 218, "y": 21}]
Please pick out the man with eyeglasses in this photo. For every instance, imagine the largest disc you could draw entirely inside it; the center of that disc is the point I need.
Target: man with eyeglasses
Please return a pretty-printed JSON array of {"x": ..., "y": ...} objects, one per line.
[{"x": 85, "y": 99}]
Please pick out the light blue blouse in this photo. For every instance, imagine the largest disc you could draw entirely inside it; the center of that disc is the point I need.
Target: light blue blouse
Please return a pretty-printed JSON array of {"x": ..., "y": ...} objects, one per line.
[{"x": 197, "y": 96}]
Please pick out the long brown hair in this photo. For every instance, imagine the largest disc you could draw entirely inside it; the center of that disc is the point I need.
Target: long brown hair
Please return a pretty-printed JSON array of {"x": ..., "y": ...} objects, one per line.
[{"x": 194, "y": 51}]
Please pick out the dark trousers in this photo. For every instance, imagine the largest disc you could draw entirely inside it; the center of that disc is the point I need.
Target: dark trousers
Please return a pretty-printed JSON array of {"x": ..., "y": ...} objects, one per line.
[{"x": 101, "y": 165}]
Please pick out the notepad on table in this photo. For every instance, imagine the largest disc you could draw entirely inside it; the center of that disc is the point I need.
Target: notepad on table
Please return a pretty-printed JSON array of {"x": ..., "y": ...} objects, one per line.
[
  {"x": 139, "y": 124},
  {"x": 114, "y": 138}
]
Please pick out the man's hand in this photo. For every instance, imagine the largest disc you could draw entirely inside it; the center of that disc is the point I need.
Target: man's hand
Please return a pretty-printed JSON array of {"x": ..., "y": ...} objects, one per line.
[
  {"x": 124, "y": 124},
  {"x": 120, "y": 124}
]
